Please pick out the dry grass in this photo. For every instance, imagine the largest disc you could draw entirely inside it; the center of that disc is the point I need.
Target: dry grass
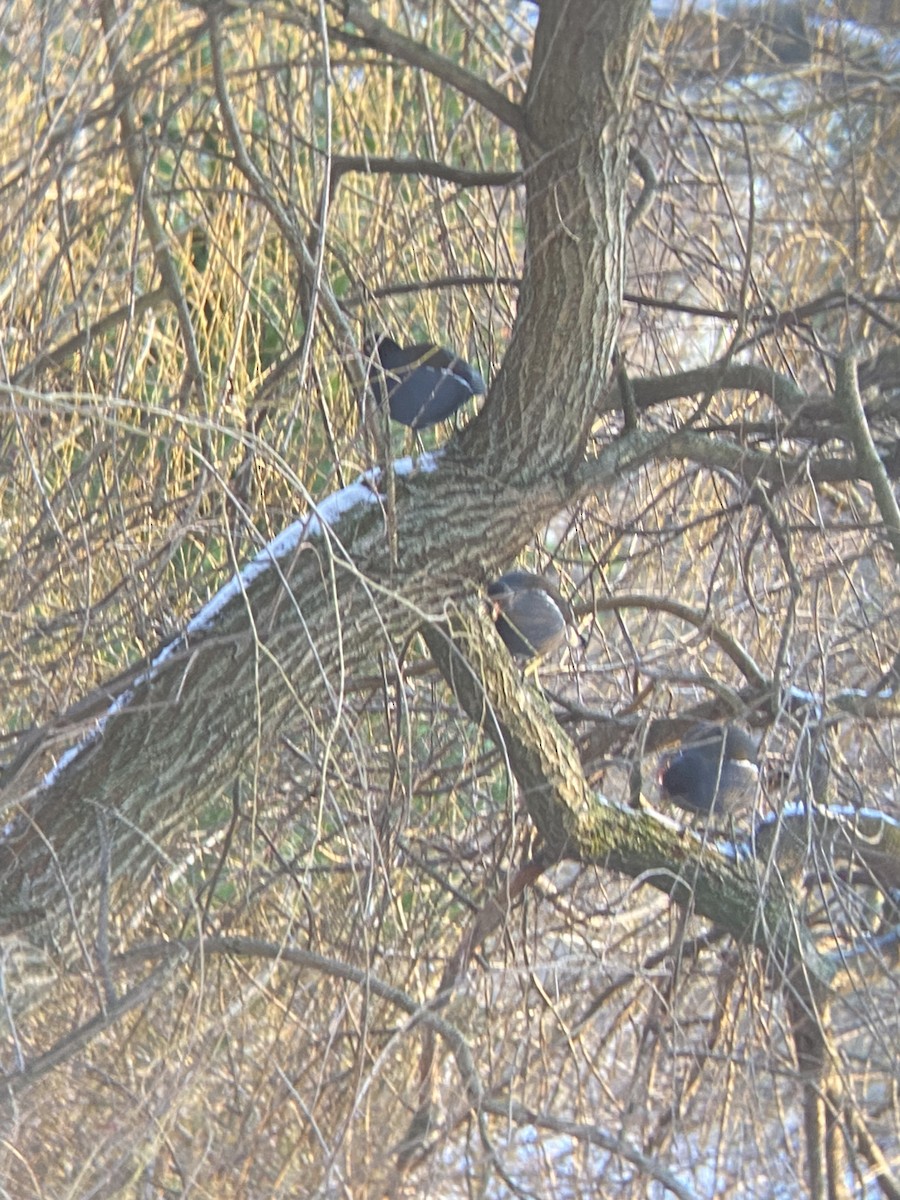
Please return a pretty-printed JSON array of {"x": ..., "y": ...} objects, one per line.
[{"x": 129, "y": 492}]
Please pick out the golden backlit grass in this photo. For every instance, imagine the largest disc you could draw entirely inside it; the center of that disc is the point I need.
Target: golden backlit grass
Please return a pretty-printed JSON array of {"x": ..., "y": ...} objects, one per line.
[{"x": 129, "y": 493}]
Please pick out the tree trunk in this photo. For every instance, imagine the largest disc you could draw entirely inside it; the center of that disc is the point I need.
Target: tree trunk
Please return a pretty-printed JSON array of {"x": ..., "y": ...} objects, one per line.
[{"x": 291, "y": 635}]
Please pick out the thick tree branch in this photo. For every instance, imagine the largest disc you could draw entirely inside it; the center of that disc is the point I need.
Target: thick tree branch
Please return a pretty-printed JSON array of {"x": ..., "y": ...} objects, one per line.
[
  {"x": 755, "y": 466},
  {"x": 382, "y": 36},
  {"x": 788, "y": 398},
  {"x": 374, "y": 164},
  {"x": 871, "y": 466},
  {"x": 575, "y": 154},
  {"x": 306, "y": 610},
  {"x": 576, "y": 823}
]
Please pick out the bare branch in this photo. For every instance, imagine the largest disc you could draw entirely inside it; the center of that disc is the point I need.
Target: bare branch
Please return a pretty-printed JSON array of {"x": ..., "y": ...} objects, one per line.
[
  {"x": 848, "y": 398},
  {"x": 382, "y": 36}
]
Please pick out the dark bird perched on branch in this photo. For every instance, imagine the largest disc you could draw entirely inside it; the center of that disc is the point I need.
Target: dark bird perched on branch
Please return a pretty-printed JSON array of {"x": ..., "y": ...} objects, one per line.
[
  {"x": 424, "y": 384},
  {"x": 715, "y": 770},
  {"x": 530, "y": 614}
]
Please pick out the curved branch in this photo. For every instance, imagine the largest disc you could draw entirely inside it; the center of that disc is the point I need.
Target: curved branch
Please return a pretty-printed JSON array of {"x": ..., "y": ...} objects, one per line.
[
  {"x": 591, "y": 1135},
  {"x": 788, "y": 398},
  {"x": 713, "y": 454},
  {"x": 383, "y": 37},
  {"x": 644, "y": 168},
  {"x": 870, "y": 465},
  {"x": 701, "y": 620},
  {"x": 888, "y": 1181},
  {"x": 12, "y": 1085},
  {"x": 140, "y": 173},
  {"x": 374, "y": 164},
  {"x": 574, "y": 823},
  {"x": 753, "y": 466},
  {"x": 842, "y": 834},
  {"x": 58, "y": 356}
]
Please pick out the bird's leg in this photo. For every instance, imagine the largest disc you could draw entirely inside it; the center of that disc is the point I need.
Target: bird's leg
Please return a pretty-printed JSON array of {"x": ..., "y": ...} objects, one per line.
[{"x": 531, "y": 668}]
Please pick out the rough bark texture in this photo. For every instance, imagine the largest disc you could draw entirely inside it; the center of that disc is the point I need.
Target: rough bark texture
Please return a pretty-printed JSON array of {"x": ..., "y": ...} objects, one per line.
[
  {"x": 575, "y": 157},
  {"x": 290, "y": 640}
]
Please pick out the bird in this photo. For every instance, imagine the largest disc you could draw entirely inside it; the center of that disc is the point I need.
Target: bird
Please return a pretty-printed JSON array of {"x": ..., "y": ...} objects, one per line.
[
  {"x": 714, "y": 771},
  {"x": 425, "y": 384},
  {"x": 530, "y": 614}
]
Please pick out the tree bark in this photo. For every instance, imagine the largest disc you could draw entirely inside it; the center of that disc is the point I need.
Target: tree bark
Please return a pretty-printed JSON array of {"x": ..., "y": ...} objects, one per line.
[{"x": 288, "y": 638}]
